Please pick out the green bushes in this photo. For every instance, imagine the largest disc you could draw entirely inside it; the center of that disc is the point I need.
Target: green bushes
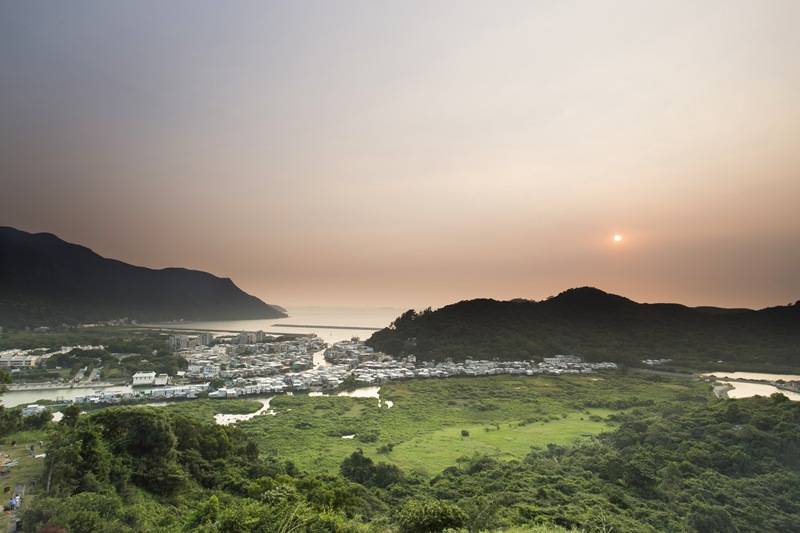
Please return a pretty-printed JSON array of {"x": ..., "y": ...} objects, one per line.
[
  {"x": 698, "y": 465},
  {"x": 361, "y": 469},
  {"x": 11, "y": 420},
  {"x": 429, "y": 516}
]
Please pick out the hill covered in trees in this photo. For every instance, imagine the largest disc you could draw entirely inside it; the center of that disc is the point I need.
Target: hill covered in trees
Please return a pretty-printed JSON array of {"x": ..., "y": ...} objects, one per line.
[
  {"x": 45, "y": 280},
  {"x": 599, "y": 326}
]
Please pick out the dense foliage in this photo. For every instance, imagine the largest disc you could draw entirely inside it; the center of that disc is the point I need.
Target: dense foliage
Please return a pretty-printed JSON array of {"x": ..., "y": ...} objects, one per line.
[
  {"x": 116, "y": 367},
  {"x": 729, "y": 466},
  {"x": 142, "y": 469},
  {"x": 697, "y": 465},
  {"x": 598, "y": 326},
  {"x": 11, "y": 420}
]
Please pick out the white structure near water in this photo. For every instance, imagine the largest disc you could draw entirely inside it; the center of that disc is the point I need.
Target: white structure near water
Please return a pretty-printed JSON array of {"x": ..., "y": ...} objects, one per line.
[{"x": 144, "y": 378}]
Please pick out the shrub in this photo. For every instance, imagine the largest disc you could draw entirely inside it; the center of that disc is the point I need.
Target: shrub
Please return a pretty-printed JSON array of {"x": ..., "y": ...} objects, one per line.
[{"x": 428, "y": 516}]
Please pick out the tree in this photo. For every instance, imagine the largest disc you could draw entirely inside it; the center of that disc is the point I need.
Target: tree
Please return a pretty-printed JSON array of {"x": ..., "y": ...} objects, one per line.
[
  {"x": 711, "y": 519},
  {"x": 357, "y": 468},
  {"x": 10, "y": 420},
  {"x": 71, "y": 414},
  {"x": 37, "y": 421},
  {"x": 5, "y": 378},
  {"x": 361, "y": 469},
  {"x": 384, "y": 474},
  {"x": 77, "y": 460}
]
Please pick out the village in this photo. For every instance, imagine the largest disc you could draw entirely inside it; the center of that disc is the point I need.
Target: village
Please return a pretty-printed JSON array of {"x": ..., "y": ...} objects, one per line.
[{"x": 254, "y": 363}]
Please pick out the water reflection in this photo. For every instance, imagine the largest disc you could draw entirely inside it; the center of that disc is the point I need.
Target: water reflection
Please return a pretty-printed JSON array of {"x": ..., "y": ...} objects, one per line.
[
  {"x": 742, "y": 389},
  {"x": 746, "y": 390},
  {"x": 226, "y": 420}
]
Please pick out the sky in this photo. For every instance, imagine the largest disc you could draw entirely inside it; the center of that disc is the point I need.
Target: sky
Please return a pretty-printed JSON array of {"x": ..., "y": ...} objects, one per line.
[{"x": 407, "y": 154}]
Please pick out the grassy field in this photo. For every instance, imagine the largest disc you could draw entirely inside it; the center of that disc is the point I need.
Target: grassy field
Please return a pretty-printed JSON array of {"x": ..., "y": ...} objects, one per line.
[
  {"x": 206, "y": 409},
  {"x": 26, "y": 473},
  {"x": 502, "y": 416}
]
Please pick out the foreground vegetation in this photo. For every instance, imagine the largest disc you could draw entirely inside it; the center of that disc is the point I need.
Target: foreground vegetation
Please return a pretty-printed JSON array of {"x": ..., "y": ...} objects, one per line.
[{"x": 649, "y": 455}]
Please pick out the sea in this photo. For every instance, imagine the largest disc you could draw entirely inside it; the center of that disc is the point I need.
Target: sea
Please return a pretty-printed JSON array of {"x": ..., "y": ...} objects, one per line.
[{"x": 331, "y": 324}]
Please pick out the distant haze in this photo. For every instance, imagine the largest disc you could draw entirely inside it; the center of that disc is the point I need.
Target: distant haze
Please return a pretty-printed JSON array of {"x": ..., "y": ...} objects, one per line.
[{"x": 414, "y": 153}]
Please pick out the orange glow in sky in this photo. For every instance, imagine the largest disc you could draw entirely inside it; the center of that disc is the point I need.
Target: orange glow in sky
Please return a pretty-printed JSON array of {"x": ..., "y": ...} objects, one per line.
[{"x": 411, "y": 154}]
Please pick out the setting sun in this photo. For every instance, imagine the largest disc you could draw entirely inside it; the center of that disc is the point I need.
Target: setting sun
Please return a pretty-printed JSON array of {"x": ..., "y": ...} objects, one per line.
[{"x": 617, "y": 237}]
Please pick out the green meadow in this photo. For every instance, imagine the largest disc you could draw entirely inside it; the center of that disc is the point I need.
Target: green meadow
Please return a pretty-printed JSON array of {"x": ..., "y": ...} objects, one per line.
[
  {"x": 25, "y": 475},
  {"x": 206, "y": 409},
  {"x": 434, "y": 424}
]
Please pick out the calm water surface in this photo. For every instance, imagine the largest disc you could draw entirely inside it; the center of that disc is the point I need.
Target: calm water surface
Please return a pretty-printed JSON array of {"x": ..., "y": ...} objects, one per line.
[
  {"x": 24, "y": 397},
  {"x": 755, "y": 375},
  {"x": 378, "y": 317},
  {"x": 746, "y": 390}
]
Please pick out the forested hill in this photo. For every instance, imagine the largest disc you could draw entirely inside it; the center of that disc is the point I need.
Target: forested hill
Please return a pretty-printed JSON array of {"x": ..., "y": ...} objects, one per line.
[
  {"x": 599, "y": 326},
  {"x": 45, "y": 280}
]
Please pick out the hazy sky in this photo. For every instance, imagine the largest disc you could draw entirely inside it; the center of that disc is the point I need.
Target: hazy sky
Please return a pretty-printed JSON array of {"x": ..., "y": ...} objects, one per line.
[{"x": 414, "y": 153}]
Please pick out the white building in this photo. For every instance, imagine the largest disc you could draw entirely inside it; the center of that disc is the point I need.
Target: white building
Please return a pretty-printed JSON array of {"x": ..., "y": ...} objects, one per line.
[
  {"x": 10, "y": 359},
  {"x": 144, "y": 378},
  {"x": 161, "y": 379},
  {"x": 202, "y": 369},
  {"x": 33, "y": 409},
  {"x": 183, "y": 342},
  {"x": 247, "y": 337},
  {"x": 562, "y": 359}
]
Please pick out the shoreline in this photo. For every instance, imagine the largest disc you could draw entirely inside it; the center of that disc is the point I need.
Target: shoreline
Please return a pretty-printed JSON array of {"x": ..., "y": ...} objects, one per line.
[{"x": 21, "y": 387}]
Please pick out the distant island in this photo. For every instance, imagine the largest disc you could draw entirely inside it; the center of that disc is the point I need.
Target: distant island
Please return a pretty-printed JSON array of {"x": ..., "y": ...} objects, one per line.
[
  {"x": 45, "y": 280},
  {"x": 598, "y": 326}
]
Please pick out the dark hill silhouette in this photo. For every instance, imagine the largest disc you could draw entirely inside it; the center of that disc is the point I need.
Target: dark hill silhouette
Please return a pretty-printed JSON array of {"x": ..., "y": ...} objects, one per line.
[
  {"x": 598, "y": 326},
  {"x": 45, "y": 280}
]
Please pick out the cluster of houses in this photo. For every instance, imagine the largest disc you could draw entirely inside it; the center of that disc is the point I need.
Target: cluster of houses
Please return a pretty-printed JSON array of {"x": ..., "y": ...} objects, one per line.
[
  {"x": 180, "y": 392},
  {"x": 382, "y": 369},
  {"x": 367, "y": 367},
  {"x": 231, "y": 358},
  {"x": 269, "y": 366}
]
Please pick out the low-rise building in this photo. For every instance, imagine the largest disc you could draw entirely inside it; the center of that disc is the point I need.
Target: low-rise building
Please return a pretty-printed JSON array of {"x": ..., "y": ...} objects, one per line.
[
  {"x": 18, "y": 359},
  {"x": 144, "y": 378},
  {"x": 33, "y": 409}
]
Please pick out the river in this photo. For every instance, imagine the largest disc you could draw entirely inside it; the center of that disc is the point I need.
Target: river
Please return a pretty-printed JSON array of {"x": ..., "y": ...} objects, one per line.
[
  {"x": 24, "y": 397},
  {"x": 745, "y": 390}
]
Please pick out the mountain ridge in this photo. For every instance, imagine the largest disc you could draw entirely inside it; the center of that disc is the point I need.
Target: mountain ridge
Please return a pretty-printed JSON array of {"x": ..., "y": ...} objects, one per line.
[
  {"x": 46, "y": 280},
  {"x": 598, "y": 325}
]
